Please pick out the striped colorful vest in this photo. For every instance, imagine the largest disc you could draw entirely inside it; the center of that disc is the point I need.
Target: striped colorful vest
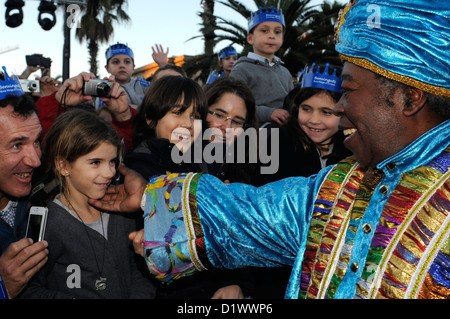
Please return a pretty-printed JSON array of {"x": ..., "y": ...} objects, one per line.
[{"x": 409, "y": 255}]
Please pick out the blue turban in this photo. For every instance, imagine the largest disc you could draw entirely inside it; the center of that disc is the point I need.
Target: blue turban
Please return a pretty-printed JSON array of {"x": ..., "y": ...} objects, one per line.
[{"x": 405, "y": 40}]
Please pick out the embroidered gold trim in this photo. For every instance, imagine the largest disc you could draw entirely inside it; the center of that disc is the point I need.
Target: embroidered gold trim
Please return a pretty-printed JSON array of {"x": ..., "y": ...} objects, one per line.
[
  {"x": 189, "y": 223},
  {"x": 341, "y": 20},
  {"x": 436, "y": 90}
]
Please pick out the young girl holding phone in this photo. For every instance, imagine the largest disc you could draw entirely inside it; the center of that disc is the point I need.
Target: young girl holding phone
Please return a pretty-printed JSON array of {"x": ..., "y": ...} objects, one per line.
[{"x": 89, "y": 250}]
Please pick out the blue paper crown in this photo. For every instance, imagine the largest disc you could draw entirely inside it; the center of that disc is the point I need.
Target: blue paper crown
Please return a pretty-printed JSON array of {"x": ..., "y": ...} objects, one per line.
[
  {"x": 321, "y": 80},
  {"x": 9, "y": 86},
  {"x": 227, "y": 52},
  {"x": 119, "y": 48},
  {"x": 263, "y": 15}
]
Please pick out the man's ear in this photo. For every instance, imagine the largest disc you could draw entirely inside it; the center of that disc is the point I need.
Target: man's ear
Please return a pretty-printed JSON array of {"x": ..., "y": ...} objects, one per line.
[{"x": 415, "y": 100}]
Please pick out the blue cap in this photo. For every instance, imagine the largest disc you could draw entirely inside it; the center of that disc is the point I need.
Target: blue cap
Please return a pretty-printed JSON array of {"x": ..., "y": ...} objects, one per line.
[
  {"x": 10, "y": 86},
  {"x": 229, "y": 50},
  {"x": 119, "y": 48},
  {"x": 263, "y": 15},
  {"x": 322, "y": 80},
  {"x": 403, "y": 40}
]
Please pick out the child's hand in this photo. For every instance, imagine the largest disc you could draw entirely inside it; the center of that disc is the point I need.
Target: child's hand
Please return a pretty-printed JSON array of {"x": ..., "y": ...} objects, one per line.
[
  {"x": 159, "y": 56},
  {"x": 280, "y": 116},
  {"x": 117, "y": 103}
]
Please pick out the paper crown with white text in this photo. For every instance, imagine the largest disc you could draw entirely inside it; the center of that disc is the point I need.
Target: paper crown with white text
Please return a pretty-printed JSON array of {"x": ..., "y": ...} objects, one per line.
[
  {"x": 323, "y": 80},
  {"x": 263, "y": 15},
  {"x": 119, "y": 48},
  {"x": 9, "y": 85}
]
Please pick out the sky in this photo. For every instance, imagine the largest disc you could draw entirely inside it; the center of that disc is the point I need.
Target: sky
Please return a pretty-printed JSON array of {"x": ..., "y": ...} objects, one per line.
[{"x": 170, "y": 23}]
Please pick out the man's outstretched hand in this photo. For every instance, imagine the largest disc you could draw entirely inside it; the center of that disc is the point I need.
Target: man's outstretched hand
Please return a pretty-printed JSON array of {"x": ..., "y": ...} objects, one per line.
[{"x": 125, "y": 197}]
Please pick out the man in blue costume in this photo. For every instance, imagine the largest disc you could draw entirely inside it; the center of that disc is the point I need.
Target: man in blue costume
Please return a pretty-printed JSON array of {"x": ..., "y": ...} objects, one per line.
[{"x": 373, "y": 226}]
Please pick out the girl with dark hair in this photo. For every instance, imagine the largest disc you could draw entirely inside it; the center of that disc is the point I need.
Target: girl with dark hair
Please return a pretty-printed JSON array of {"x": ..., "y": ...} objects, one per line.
[
  {"x": 171, "y": 109},
  {"x": 311, "y": 139},
  {"x": 89, "y": 252},
  {"x": 231, "y": 112}
]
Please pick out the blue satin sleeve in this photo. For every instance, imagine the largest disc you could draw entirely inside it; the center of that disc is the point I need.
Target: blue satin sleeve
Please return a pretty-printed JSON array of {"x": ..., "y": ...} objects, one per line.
[
  {"x": 193, "y": 222},
  {"x": 248, "y": 226}
]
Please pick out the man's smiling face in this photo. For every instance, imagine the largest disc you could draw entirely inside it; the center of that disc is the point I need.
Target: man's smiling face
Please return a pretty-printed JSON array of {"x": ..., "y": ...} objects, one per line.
[
  {"x": 20, "y": 152},
  {"x": 372, "y": 126}
]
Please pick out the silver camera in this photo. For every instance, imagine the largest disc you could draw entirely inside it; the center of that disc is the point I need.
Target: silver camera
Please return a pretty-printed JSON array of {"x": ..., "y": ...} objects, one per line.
[
  {"x": 97, "y": 87},
  {"x": 30, "y": 86}
]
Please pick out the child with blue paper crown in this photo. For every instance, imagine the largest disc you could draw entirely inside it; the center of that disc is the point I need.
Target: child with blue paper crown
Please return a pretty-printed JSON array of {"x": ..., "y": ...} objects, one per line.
[
  {"x": 227, "y": 58},
  {"x": 120, "y": 63},
  {"x": 311, "y": 138},
  {"x": 261, "y": 69}
]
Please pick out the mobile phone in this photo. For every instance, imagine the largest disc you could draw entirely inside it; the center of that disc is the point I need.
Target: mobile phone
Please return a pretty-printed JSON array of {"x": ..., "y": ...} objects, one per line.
[
  {"x": 38, "y": 60},
  {"x": 37, "y": 220}
]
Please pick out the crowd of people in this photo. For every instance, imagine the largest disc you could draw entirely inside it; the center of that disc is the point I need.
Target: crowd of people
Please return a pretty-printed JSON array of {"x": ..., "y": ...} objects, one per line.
[{"x": 250, "y": 186}]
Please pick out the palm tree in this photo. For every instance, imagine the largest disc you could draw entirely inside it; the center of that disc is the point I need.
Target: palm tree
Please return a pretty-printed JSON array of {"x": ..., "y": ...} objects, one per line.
[
  {"x": 198, "y": 67},
  {"x": 317, "y": 37},
  {"x": 97, "y": 25},
  {"x": 299, "y": 16}
]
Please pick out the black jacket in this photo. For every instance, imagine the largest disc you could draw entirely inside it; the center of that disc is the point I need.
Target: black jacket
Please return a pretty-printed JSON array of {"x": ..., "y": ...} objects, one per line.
[
  {"x": 154, "y": 157},
  {"x": 298, "y": 162}
]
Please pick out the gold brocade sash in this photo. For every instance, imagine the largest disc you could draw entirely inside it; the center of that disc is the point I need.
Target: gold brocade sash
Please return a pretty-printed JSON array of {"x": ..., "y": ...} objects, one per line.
[{"x": 408, "y": 254}]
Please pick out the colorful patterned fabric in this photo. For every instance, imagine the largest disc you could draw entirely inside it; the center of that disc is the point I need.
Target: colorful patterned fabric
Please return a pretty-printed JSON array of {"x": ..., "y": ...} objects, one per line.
[
  {"x": 410, "y": 244},
  {"x": 347, "y": 232},
  {"x": 167, "y": 219}
]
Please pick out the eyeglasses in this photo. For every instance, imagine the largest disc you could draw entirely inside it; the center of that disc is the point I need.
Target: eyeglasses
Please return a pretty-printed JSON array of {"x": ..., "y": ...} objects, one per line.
[{"x": 222, "y": 118}]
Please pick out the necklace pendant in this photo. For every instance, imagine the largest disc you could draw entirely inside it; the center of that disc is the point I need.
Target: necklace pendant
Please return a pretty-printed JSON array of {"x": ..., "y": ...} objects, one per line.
[{"x": 100, "y": 284}]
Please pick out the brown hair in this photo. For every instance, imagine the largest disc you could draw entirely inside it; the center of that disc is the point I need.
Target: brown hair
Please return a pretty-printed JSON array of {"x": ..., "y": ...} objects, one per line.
[{"x": 76, "y": 133}]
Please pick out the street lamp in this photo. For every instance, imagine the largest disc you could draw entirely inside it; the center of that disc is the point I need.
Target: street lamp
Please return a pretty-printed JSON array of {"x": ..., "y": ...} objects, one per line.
[
  {"x": 14, "y": 13},
  {"x": 47, "y": 18}
]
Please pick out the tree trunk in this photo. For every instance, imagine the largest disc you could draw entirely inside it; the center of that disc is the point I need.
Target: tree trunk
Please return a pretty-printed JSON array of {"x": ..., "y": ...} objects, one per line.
[
  {"x": 93, "y": 52},
  {"x": 209, "y": 24}
]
